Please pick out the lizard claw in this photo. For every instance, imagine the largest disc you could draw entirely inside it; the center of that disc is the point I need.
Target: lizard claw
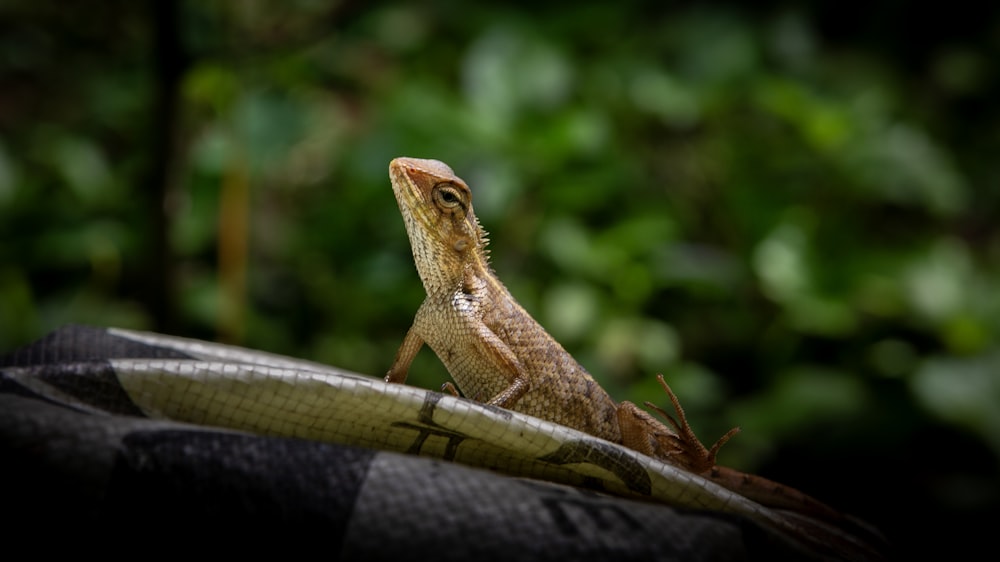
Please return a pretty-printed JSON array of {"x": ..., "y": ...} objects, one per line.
[{"x": 450, "y": 388}]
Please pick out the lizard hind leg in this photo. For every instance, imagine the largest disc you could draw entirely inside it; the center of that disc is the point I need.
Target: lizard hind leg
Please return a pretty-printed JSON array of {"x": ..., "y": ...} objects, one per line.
[{"x": 697, "y": 458}]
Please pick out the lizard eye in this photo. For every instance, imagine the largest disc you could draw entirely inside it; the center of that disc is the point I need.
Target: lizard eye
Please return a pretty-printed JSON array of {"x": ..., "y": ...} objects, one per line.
[{"x": 447, "y": 196}]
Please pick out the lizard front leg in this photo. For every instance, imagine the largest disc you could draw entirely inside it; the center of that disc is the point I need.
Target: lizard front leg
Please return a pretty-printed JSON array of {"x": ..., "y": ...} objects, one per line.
[
  {"x": 498, "y": 360},
  {"x": 491, "y": 359},
  {"x": 404, "y": 357}
]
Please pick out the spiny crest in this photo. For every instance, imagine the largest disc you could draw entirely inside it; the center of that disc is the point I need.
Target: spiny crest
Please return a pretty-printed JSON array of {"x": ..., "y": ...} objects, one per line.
[{"x": 484, "y": 239}]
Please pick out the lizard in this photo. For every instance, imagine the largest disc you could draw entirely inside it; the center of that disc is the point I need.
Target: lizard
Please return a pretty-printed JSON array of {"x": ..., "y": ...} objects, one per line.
[{"x": 497, "y": 353}]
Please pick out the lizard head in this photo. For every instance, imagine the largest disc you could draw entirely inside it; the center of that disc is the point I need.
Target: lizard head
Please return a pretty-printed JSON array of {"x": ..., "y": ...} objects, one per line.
[{"x": 444, "y": 233}]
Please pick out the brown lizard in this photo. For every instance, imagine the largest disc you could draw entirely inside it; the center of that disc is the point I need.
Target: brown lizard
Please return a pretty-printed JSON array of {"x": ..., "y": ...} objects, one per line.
[{"x": 498, "y": 354}]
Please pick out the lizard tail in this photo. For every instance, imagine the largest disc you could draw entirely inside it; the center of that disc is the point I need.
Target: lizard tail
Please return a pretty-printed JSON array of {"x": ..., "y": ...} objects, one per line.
[
  {"x": 771, "y": 494},
  {"x": 777, "y": 496}
]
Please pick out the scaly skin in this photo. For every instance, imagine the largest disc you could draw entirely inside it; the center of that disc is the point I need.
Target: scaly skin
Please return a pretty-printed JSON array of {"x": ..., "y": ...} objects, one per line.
[{"x": 498, "y": 354}]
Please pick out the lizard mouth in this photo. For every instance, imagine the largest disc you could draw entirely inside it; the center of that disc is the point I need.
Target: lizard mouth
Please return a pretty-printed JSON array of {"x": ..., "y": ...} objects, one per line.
[
  {"x": 410, "y": 193},
  {"x": 403, "y": 187}
]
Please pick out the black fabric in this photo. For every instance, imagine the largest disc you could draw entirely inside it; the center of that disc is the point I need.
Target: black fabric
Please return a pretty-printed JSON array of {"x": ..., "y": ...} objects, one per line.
[
  {"x": 80, "y": 476},
  {"x": 91, "y": 383},
  {"x": 74, "y": 359},
  {"x": 227, "y": 488},
  {"x": 104, "y": 480},
  {"x": 76, "y": 343}
]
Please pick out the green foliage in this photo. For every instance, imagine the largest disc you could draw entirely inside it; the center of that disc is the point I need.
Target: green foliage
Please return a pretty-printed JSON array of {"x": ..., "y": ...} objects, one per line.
[{"x": 796, "y": 226}]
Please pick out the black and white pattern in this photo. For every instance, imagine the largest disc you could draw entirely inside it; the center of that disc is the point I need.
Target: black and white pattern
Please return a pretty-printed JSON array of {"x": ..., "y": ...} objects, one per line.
[{"x": 189, "y": 446}]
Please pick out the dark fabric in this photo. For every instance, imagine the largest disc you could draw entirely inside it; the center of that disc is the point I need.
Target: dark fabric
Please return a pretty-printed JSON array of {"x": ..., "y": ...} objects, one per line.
[
  {"x": 75, "y": 343},
  {"x": 240, "y": 489},
  {"x": 104, "y": 480},
  {"x": 91, "y": 383}
]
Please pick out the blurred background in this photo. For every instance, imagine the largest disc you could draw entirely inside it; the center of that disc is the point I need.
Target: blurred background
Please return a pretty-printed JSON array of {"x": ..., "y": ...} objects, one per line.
[{"x": 790, "y": 211}]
